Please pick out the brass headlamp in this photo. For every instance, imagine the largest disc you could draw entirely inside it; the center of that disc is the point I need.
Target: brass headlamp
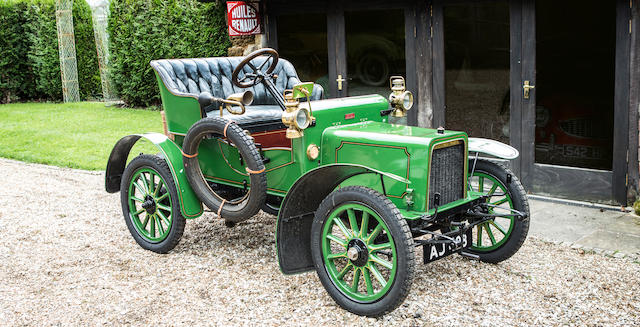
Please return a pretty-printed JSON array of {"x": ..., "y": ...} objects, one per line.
[
  {"x": 401, "y": 99},
  {"x": 295, "y": 118}
]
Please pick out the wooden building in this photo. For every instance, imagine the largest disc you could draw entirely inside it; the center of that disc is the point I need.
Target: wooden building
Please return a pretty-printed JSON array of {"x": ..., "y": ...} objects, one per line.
[{"x": 558, "y": 80}]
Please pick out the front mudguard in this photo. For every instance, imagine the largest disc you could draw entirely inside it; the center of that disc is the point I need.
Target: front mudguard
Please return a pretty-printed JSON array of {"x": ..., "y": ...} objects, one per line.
[
  {"x": 190, "y": 206},
  {"x": 492, "y": 148},
  {"x": 293, "y": 230}
]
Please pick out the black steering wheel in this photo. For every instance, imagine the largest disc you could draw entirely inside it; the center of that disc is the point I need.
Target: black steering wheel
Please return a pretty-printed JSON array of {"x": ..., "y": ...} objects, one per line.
[
  {"x": 257, "y": 74},
  {"x": 261, "y": 74}
]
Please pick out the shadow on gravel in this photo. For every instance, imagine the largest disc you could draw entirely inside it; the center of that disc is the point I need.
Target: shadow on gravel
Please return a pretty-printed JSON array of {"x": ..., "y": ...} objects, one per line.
[{"x": 208, "y": 233}]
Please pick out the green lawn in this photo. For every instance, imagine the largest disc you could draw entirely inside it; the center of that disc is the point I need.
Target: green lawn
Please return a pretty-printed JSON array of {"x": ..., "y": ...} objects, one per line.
[{"x": 76, "y": 135}]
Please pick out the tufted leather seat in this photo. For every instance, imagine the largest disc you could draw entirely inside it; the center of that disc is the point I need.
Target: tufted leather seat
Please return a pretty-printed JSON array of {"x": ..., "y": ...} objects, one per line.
[{"x": 190, "y": 77}]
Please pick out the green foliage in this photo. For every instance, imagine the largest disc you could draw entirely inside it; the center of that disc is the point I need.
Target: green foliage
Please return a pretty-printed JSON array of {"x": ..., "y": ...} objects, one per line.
[
  {"x": 88, "y": 70},
  {"x": 43, "y": 53},
  {"x": 29, "y": 58},
  {"x": 16, "y": 81},
  {"x": 144, "y": 30}
]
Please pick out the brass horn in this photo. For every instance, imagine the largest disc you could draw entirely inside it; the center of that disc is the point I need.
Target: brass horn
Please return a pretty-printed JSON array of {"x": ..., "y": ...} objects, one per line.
[
  {"x": 246, "y": 97},
  {"x": 241, "y": 100}
]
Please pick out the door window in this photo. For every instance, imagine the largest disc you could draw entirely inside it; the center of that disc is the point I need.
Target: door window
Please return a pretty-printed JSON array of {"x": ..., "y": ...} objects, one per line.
[
  {"x": 575, "y": 72},
  {"x": 477, "y": 67}
]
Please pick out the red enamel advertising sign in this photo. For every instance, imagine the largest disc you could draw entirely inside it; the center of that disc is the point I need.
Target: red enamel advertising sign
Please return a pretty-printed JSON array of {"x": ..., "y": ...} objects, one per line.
[{"x": 243, "y": 17}]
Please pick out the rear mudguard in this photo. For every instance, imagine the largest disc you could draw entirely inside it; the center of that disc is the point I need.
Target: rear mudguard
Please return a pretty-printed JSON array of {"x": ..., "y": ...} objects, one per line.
[
  {"x": 190, "y": 206},
  {"x": 493, "y": 148},
  {"x": 293, "y": 230}
]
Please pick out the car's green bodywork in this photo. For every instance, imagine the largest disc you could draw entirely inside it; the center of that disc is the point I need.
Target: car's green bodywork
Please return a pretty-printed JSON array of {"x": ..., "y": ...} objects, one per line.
[
  {"x": 397, "y": 149},
  {"x": 357, "y": 145},
  {"x": 181, "y": 110},
  {"x": 347, "y": 130},
  {"x": 320, "y": 166}
]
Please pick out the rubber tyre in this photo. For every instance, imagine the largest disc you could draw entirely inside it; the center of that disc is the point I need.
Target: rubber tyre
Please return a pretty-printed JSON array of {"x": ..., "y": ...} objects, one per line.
[
  {"x": 159, "y": 165},
  {"x": 250, "y": 155},
  {"x": 519, "y": 199},
  {"x": 400, "y": 233}
]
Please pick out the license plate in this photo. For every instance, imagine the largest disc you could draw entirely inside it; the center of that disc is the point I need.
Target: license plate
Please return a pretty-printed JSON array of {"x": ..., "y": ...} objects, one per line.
[{"x": 433, "y": 252}]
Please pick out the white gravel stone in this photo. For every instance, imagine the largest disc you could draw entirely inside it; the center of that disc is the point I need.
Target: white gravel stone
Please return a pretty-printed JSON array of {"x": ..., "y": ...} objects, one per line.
[{"x": 66, "y": 258}]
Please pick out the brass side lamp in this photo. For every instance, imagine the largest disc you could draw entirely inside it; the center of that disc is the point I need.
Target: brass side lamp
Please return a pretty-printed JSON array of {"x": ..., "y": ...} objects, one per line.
[
  {"x": 295, "y": 118},
  {"x": 401, "y": 99}
]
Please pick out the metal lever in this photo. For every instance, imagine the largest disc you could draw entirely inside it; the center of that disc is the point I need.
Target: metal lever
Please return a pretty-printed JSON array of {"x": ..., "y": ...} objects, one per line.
[{"x": 526, "y": 88}]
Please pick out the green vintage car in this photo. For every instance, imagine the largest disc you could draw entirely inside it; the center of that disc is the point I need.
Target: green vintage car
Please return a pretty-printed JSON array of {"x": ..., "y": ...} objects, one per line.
[{"x": 355, "y": 193}]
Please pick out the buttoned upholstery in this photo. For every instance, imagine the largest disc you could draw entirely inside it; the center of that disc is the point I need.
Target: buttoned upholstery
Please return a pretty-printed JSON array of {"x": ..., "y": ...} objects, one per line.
[{"x": 193, "y": 76}]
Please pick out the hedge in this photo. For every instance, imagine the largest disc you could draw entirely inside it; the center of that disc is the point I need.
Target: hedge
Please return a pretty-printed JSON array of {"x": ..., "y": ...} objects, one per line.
[
  {"x": 144, "y": 30},
  {"x": 16, "y": 79},
  {"x": 29, "y": 58}
]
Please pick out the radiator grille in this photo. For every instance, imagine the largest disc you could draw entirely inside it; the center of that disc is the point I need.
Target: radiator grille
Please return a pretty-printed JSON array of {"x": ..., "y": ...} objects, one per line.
[{"x": 447, "y": 174}]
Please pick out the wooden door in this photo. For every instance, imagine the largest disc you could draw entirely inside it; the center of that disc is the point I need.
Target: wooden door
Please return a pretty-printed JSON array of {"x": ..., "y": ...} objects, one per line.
[{"x": 574, "y": 122}]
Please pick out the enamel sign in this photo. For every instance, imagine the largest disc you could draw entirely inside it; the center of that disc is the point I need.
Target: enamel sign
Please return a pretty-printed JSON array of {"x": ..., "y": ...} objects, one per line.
[{"x": 243, "y": 18}]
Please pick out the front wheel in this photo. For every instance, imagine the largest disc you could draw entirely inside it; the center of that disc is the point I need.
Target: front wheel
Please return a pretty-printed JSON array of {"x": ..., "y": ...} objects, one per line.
[
  {"x": 362, "y": 250},
  {"x": 500, "y": 238},
  {"x": 150, "y": 204}
]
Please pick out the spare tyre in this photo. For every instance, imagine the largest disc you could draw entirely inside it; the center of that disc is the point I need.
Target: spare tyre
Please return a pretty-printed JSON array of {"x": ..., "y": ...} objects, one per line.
[{"x": 239, "y": 208}]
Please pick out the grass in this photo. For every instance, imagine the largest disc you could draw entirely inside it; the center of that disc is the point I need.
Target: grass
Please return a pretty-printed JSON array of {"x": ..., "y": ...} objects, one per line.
[{"x": 76, "y": 135}]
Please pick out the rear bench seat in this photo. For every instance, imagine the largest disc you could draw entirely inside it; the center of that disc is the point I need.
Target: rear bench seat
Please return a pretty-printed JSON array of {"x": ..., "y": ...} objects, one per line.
[{"x": 190, "y": 77}]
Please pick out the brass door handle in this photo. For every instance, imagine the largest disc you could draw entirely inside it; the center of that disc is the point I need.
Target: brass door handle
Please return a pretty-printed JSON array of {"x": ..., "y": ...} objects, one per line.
[
  {"x": 526, "y": 87},
  {"x": 340, "y": 80}
]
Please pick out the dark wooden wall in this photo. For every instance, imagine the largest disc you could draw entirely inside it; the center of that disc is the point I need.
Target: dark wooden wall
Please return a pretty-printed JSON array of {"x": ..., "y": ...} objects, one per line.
[
  {"x": 424, "y": 52},
  {"x": 337, "y": 48},
  {"x": 411, "y": 41},
  {"x": 417, "y": 43},
  {"x": 634, "y": 102},
  {"x": 515, "y": 103},
  {"x": 424, "y": 65},
  {"x": 621, "y": 102},
  {"x": 528, "y": 114},
  {"x": 438, "y": 99}
]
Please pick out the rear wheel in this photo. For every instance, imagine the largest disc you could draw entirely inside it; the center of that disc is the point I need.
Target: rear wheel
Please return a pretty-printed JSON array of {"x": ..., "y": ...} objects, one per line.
[
  {"x": 150, "y": 204},
  {"x": 500, "y": 238},
  {"x": 362, "y": 250}
]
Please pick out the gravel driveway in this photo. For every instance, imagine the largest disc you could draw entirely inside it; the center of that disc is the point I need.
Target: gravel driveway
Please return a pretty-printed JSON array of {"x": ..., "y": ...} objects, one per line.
[{"x": 66, "y": 258}]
